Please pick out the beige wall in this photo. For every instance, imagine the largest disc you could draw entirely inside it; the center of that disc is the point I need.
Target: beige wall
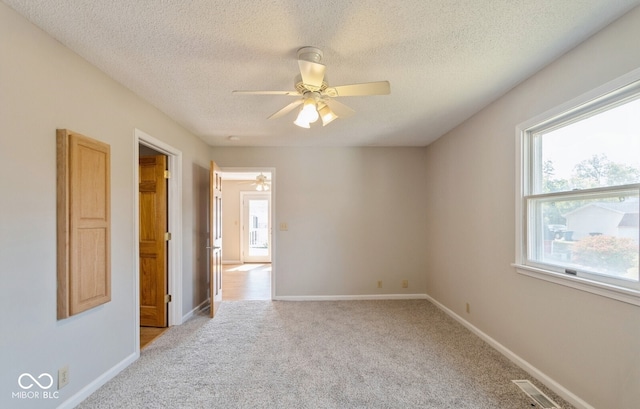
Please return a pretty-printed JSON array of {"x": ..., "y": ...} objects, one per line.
[
  {"x": 440, "y": 217},
  {"x": 355, "y": 216},
  {"x": 586, "y": 343},
  {"x": 44, "y": 86}
]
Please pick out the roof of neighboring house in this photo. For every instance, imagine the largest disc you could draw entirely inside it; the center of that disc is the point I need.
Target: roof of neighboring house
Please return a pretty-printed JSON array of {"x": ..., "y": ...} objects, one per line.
[
  {"x": 629, "y": 220},
  {"x": 627, "y": 207}
]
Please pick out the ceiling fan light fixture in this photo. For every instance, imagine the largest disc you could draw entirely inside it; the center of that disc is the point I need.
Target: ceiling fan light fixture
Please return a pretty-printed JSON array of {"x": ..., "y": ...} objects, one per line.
[
  {"x": 301, "y": 122},
  {"x": 262, "y": 184},
  {"x": 309, "y": 110},
  {"x": 326, "y": 114},
  {"x": 308, "y": 114}
]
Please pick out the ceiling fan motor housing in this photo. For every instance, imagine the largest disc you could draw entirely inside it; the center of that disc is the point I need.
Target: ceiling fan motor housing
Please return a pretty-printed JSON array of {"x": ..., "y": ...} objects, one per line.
[
  {"x": 311, "y": 54},
  {"x": 302, "y": 89}
]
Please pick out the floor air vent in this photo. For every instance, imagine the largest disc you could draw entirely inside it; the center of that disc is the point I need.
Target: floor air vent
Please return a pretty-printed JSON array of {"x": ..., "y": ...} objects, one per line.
[{"x": 536, "y": 394}]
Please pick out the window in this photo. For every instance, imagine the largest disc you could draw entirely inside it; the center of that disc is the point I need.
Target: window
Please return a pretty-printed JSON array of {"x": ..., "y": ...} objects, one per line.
[{"x": 579, "y": 192}]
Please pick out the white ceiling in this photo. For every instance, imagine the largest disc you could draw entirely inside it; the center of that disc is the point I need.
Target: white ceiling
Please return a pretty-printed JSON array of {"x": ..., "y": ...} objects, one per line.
[{"x": 445, "y": 59}]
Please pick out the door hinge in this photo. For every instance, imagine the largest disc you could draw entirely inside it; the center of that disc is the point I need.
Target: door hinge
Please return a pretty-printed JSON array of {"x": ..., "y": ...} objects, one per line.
[
  {"x": 167, "y": 298},
  {"x": 167, "y": 236},
  {"x": 167, "y": 174}
]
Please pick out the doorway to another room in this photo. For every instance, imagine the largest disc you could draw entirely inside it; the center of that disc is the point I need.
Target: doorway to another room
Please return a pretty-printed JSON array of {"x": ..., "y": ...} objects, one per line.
[
  {"x": 247, "y": 248},
  {"x": 158, "y": 228},
  {"x": 256, "y": 227},
  {"x": 152, "y": 178}
]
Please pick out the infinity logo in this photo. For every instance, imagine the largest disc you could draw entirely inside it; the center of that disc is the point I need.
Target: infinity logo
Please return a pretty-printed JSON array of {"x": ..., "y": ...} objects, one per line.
[{"x": 30, "y": 384}]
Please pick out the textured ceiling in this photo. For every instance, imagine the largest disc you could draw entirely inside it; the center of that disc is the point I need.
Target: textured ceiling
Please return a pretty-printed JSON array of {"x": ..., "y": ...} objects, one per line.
[{"x": 445, "y": 59}]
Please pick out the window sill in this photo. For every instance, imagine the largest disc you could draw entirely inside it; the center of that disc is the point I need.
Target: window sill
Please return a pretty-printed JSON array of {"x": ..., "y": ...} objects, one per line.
[{"x": 605, "y": 290}]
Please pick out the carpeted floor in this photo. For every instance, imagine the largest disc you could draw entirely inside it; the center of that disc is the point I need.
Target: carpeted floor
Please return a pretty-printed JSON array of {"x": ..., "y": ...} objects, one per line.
[{"x": 330, "y": 354}]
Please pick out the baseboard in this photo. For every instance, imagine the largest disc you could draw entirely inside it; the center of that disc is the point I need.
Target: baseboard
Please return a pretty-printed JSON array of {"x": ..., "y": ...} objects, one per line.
[
  {"x": 350, "y": 297},
  {"x": 193, "y": 311},
  {"x": 513, "y": 357},
  {"x": 85, "y": 392},
  {"x": 231, "y": 262}
]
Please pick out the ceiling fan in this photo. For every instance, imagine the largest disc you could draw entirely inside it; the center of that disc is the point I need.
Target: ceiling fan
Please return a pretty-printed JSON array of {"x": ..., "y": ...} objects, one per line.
[
  {"x": 262, "y": 183},
  {"x": 316, "y": 96}
]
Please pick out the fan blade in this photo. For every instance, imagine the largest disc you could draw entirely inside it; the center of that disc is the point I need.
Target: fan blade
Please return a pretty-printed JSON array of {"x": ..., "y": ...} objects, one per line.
[
  {"x": 312, "y": 74},
  {"x": 353, "y": 90},
  {"x": 286, "y": 109},
  {"x": 290, "y": 93},
  {"x": 338, "y": 108}
]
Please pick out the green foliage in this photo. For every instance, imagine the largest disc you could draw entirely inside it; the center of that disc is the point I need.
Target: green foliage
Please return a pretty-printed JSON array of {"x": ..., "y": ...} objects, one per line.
[
  {"x": 621, "y": 174},
  {"x": 595, "y": 171},
  {"x": 608, "y": 254},
  {"x": 591, "y": 172}
]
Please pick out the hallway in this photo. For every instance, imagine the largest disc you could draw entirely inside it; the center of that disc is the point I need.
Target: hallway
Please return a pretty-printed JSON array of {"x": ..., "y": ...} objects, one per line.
[{"x": 249, "y": 281}]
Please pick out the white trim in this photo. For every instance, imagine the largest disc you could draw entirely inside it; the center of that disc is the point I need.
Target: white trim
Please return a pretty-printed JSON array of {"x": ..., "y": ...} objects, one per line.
[
  {"x": 580, "y": 283},
  {"x": 97, "y": 383},
  {"x": 600, "y": 91},
  {"x": 204, "y": 304},
  {"x": 174, "y": 163},
  {"x": 273, "y": 233},
  {"x": 351, "y": 297},
  {"x": 516, "y": 359},
  {"x": 274, "y": 236}
]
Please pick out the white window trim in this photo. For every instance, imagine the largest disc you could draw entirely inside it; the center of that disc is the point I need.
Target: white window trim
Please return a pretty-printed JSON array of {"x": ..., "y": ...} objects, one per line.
[{"x": 626, "y": 295}]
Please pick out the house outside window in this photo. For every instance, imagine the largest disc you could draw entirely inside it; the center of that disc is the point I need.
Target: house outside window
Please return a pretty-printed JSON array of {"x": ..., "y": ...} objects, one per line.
[{"x": 579, "y": 192}]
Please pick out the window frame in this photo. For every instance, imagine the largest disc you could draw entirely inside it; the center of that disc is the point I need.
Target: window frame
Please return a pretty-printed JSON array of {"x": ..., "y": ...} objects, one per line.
[{"x": 616, "y": 92}]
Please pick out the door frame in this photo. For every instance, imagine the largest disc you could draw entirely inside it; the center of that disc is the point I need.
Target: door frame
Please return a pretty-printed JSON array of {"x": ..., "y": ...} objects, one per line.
[
  {"x": 274, "y": 236},
  {"x": 243, "y": 222},
  {"x": 174, "y": 224}
]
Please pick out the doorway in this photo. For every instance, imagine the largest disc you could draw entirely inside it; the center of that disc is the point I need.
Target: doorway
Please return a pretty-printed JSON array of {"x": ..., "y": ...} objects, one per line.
[
  {"x": 249, "y": 241},
  {"x": 152, "y": 190},
  {"x": 256, "y": 226},
  {"x": 142, "y": 143},
  {"x": 153, "y": 237}
]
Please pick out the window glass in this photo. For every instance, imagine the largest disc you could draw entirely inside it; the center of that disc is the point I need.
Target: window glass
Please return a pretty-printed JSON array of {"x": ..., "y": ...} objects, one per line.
[
  {"x": 597, "y": 151},
  {"x": 594, "y": 234}
]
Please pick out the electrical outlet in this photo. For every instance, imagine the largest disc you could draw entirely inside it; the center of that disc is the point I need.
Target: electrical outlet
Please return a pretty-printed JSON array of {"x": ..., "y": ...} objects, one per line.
[
  {"x": 379, "y": 284},
  {"x": 468, "y": 309},
  {"x": 284, "y": 226},
  {"x": 63, "y": 376},
  {"x": 405, "y": 283}
]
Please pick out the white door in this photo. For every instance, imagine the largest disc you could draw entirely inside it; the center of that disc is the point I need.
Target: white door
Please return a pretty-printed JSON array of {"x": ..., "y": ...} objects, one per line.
[{"x": 256, "y": 227}]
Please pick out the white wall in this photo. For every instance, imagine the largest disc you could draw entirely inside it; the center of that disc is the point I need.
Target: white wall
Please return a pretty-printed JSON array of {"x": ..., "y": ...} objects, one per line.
[
  {"x": 586, "y": 343},
  {"x": 44, "y": 86},
  {"x": 355, "y": 216}
]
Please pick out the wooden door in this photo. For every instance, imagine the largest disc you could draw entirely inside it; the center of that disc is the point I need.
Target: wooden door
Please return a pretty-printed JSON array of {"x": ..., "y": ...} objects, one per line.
[
  {"x": 153, "y": 241},
  {"x": 215, "y": 237}
]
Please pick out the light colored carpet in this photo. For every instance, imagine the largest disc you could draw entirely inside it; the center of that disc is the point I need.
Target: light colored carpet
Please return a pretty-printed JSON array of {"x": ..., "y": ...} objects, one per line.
[{"x": 342, "y": 354}]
